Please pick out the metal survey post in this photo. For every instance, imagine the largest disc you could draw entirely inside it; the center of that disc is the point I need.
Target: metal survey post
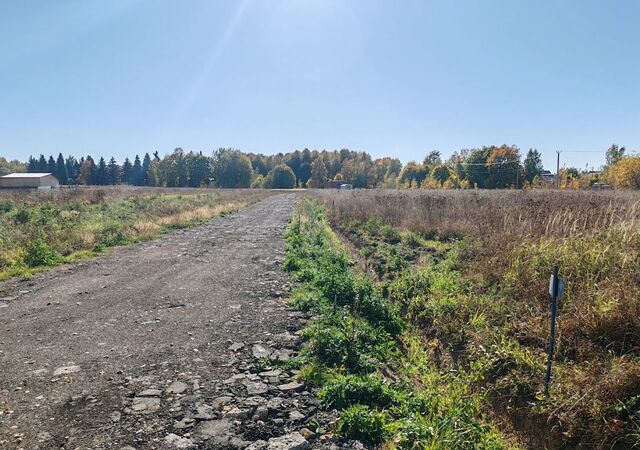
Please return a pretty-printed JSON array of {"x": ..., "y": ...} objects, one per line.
[{"x": 556, "y": 290}]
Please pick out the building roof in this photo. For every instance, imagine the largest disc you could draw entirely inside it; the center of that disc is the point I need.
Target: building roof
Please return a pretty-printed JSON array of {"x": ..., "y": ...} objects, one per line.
[{"x": 26, "y": 175}]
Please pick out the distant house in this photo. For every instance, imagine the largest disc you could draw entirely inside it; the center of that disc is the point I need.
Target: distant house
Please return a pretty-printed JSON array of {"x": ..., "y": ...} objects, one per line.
[
  {"x": 28, "y": 180},
  {"x": 547, "y": 177}
]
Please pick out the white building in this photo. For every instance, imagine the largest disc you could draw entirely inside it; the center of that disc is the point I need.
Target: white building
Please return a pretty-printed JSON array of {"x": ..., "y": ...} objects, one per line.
[{"x": 28, "y": 180}]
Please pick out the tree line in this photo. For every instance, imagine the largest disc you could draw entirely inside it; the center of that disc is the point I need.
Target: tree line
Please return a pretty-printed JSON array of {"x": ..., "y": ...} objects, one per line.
[{"x": 487, "y": 167}]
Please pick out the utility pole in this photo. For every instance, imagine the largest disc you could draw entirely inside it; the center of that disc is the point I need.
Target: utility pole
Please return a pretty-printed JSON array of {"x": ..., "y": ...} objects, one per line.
[{"x": 558, "y": 168}]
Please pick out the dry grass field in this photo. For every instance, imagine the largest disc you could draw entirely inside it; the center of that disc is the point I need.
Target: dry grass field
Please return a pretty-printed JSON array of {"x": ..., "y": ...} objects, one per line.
[
  {"x": 485, "y": 213},
  {"x": 483, "y": 301}
]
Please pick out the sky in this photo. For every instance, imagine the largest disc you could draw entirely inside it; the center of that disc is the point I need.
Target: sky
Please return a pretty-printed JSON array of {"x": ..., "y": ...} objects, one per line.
[{"x": 393, "y": 78}]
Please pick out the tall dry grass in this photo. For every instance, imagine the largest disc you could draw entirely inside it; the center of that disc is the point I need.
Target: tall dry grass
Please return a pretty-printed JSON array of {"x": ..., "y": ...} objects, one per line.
[{"x": 524, "y": 213}]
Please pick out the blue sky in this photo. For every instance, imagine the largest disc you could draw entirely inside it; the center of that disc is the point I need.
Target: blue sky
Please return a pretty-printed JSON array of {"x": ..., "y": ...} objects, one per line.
[{"x": 396, "y": 78}]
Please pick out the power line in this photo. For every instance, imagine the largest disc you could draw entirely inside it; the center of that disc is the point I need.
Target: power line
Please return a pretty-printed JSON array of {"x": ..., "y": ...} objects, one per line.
[{"x": 582, "y": 151}]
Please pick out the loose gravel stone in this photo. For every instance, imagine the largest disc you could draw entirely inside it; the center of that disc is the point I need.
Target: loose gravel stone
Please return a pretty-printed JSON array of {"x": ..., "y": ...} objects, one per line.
[
  {"x": 177, "y": 442},
  {"x": 293, "y": 441},
  {"x": 236, "y": 346},
  {"x": 288, "y": 387},
  {"x": 177, "y": 387},
  {"x": 260, "y": 351},
  {"x": 256, "y": 388},
  {"x": 150, "y": 393},
  {"x": 67, "y": 370}
]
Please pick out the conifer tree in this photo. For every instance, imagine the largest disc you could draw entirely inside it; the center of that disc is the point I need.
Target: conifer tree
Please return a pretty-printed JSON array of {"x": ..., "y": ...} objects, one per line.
[
  {"x": 113, "y": 172},
  {"x": 101, "y": 172},
  {"x": 51, "y": 166},
  {"x": 136, "y": 175},
  {"x": 32, "y": 165},
  {"x": 61, "y": 170},
  {"x": 146, "y": 166},
  {"x": 126, "y": 171},
  {"x": 42, "y": 164}
]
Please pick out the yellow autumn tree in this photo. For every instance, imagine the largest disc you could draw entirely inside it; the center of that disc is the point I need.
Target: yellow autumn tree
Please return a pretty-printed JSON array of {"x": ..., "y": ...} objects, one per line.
[{"x": 625, "y": 174}]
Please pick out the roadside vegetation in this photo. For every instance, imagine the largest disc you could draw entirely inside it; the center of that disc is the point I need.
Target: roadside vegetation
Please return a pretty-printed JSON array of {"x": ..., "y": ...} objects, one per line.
[
  {"x": 40, "y": 230},
  {"x": 469, "y": 272},
  {"x": 370, "y": 362}
]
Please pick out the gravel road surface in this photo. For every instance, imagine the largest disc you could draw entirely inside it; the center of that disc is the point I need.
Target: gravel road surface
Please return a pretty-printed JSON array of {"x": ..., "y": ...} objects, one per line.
[{"x": 154, "y": 345}]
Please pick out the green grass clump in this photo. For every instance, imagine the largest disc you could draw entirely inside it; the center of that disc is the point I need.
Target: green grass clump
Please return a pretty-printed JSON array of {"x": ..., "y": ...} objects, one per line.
[
  {"x": 40, "y": 254},
  {"x": 347, "y": 390},
  {"x": 362, "y": 423}
]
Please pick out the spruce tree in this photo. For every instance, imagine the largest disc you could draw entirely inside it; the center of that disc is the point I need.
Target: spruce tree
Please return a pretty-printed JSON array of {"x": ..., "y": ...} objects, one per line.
[
  {"x": 136, "y": 175},
  {"x": 101, "y": 173},
  {"x": 42, "y": 164},
  {"x": 146, "y": 166},
  {"x": 51, "y": 166},
  {"x": 72, "y": 170},
  {"x": 126, "y": 171},
  {"x": 61, "y": 170},
  {"x": 113, "y": 171},
  {"x": 32, "y": 165}
]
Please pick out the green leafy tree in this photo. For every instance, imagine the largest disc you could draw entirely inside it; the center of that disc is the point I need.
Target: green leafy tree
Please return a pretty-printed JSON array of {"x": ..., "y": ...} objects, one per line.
[
  {"x": 476, "y": 170},
  {"x": 280, "y": 177},
  {"x": 440, "y": 173},
  {"x": 432, "y": 158},
  {"x": 413, "y": 174},
  {"x": 231, "y": 168},
  {"x": 305, "y": 167},
  {"x": 199, "y": 168},
  {"x": 614, "y": 155},
  {"x": 504, "y": 165},
  {"x": 532, "y": 165},
  {"x": 11, "y": 166}
]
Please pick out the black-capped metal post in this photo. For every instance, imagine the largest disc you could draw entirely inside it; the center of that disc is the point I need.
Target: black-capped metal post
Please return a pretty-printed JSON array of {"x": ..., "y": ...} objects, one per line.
[{"x": 554, "y": 290}]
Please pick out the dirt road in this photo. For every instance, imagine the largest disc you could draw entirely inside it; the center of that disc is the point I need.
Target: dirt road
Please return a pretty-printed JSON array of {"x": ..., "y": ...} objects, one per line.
[{"x": 154, "y": 345}]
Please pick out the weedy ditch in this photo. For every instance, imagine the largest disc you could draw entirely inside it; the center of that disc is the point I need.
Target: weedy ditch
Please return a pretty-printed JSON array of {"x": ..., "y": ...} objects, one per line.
[{"x": 371, "y": 363}]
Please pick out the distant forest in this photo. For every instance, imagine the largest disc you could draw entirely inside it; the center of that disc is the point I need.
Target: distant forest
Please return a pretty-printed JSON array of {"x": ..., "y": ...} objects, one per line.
[{"x": 486, "y": 167}]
